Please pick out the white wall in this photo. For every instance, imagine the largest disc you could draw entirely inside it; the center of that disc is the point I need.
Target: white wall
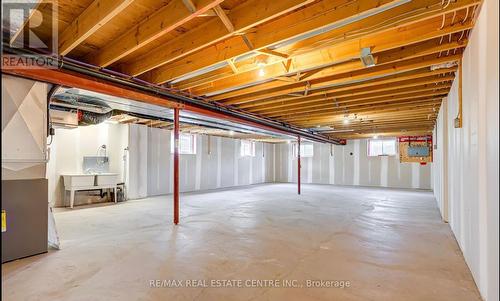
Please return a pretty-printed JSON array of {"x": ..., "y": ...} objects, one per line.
[
  {"x": 345, "y": 169},
  {"x": 470, "y": 200},
  {"x": 150, "y": 160},
  {"x": 69, "y": 146}
]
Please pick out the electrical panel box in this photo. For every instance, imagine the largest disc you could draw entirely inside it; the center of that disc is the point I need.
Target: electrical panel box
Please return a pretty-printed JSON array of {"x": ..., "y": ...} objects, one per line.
[{"x": 418, "y": 151}]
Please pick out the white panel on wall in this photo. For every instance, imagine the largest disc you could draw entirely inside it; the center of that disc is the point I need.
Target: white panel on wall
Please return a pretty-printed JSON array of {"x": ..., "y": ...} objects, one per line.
[
  {"x": 210, "y": 168},
  {"x": 138, "y": 162},
  {"x": 222, "y": 167},
  {"x": 352, "y": 166},
  {"x": 158, "y": 158},
  {"x": 465, "y": 172}
]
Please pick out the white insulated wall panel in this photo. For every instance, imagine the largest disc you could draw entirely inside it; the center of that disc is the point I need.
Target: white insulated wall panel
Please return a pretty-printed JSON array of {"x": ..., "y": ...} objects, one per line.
[
  {"x": 466, "y": 173},
  {"x": 350, "y": 165},
  {"x": 138, "y": 162}
]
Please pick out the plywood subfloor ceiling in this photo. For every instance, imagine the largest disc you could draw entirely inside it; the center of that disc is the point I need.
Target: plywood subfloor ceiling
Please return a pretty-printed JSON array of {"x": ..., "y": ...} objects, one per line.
[{"x": 296, "y": 61}]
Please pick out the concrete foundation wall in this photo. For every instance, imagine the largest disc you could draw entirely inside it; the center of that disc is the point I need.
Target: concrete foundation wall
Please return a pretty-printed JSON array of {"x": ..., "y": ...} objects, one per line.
[
  {"x": 350, "y": 165},
  {"x": 466, "y": 178}
]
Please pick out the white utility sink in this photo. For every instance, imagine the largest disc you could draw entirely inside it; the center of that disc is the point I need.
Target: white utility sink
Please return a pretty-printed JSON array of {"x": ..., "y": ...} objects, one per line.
[
  {"x": 78, "y": 180},
  {"x": 106, "y": 179},
  {"x": 74, "y": 182}
]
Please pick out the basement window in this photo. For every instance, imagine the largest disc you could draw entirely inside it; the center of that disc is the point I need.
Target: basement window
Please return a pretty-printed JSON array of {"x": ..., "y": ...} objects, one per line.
[
  {"x": 306, "y": 150},
  {"x": 381, "y": 147},
  {"x": 187, "y": 144},
  {"x": 247, "y": 148}
]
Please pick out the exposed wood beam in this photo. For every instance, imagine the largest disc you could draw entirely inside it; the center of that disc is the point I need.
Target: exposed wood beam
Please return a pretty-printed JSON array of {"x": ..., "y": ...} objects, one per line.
[
  {"x": 363, "y": 108},
  {"x": 316, "y": 16},
  {"x": 374, "y": 100},
  {"x": 378, "y": 122},
  {"x": 224, "y": 18},
  {"x": 384, "y": 132},
  {"x": 233, "y": 67},
  {"x": 353, "y": 105},
  {"x": 375, "y": 123},
  {"x": 235, "y": 47},
  {"x": 365, "y": 117},
  {"x": 189, "y": 5},
  {"x": 211, "y": 13},
  {"x": 273, "y": 53},
  {"x": 326, "y": 112},
  {"x": 286, "y": 79},
  {"x": 324, "y": 57},
  {"x": 96, "y": 15},
  {"x": 325, "y": 93},
  {"x": 211, "y": 32},
  {"x": 309, "y": 74},
  {"x": 409, "y": 116},
  {"x": 335, "y": 77},
  {"x": 388, "y": 57},
  {"x": 391, "y": 120},
  {"x": 391, "y": 115},
  {"x": 168, "y": 18},
  {"x": 247, "y": 42},
  {"x": 356, "y": 91},
  {"x": 287, "y": 64},
  {"x": 128, "y": 119}
]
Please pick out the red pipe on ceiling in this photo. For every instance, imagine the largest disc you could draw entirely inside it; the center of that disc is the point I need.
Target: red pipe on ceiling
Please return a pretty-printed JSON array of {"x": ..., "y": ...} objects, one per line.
[{"x": 82, "y": 81}]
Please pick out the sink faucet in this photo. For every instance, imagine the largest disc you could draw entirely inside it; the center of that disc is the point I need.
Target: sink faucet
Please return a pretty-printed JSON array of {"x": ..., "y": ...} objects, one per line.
[{"x": 90, "y": 171}]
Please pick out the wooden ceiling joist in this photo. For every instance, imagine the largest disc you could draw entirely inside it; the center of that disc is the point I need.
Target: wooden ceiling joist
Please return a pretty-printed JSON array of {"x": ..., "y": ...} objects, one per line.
[
  {"x": 297, "y": 62},
  {"x": 171, "y": 16},
  {"x": 318, "y": 15},
  {"x": 356, "y": 107},
  {"x": 336, "y": 97},
  {"x": 87, "y": 23},
  {"x": 319, "y": 112},
  {"x": 407, "y": 105},
  {"x": 224, "y": 18},
  {"x": 212, "y": 32},
  {"x": 403, "y": 15},
  {"x": 396, "y": 79},
  {"x": 336, "y": 53},
  {"x": 370, "y": 122},
  {"x": 334, "y": 77}
]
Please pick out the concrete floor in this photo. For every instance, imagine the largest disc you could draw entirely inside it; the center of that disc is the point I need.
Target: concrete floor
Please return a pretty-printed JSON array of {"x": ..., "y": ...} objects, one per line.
[{"x": 389, "y": 244}]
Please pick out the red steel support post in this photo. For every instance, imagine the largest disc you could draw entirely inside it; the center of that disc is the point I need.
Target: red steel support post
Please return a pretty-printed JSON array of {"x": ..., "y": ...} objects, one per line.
[
  {"x": 298, "y": 164},
  {"x": 176, "y": 166}
]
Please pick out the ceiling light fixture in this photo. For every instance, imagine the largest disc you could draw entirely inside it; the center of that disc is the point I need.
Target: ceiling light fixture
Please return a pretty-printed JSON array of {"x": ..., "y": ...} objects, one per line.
[{"x": 262, "y": 72}]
